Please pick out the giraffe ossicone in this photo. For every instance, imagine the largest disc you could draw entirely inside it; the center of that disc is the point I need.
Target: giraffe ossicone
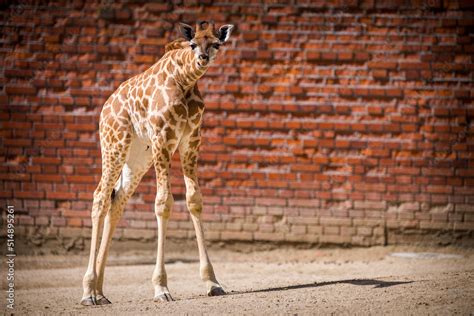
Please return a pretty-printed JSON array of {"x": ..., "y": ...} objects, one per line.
[{"x": 143, "y": 123}]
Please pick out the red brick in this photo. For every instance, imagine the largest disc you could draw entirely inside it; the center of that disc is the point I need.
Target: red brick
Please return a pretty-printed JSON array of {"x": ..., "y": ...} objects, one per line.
[
  {"x": 46, "y": 160},
  {"x": 82, "y": 127},
  {"x": 15, "y": 176},
  {"x": 20, "y": 90},
  {"x": 60, "y": 195},
  {"x": 313, "y": 56},
  {"x": 29, "y": 194},
  {"x": 382, "y": 65},
  {"x": 414, "y": 66},
  {"x": 81, "y": 179},
  {"x": 47, "y": 178}
]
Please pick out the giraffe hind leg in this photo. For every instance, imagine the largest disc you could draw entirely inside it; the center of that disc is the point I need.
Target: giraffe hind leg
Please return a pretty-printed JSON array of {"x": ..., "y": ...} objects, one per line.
[
  {"x": 138, "y": 162},
  {"x": 101, "y": 207}
]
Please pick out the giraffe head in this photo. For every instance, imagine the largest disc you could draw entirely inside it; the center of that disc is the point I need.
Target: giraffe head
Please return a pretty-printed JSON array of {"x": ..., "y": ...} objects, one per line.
[{"x": 205, "y": 40}]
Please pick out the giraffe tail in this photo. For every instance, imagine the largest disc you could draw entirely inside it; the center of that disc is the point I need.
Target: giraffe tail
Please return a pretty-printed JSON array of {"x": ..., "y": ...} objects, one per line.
[{"x": 117, "y": 187}]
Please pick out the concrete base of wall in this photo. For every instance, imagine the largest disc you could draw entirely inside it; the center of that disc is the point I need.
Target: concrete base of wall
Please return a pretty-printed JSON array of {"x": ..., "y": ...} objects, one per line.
[{"x": 44, "y": 240}]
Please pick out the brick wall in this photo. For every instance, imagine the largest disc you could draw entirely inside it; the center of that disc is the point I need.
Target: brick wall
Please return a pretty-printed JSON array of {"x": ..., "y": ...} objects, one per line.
[{"x": 326, "y": 121}]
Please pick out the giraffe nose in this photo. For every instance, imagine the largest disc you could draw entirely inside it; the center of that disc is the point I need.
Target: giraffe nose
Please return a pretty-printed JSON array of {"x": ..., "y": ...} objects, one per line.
[{"x": 204, "y": 57}]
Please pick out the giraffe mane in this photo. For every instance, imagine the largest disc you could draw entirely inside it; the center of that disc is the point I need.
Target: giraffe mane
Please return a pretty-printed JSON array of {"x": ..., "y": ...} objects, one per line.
[{"x": 176, "y": 44}]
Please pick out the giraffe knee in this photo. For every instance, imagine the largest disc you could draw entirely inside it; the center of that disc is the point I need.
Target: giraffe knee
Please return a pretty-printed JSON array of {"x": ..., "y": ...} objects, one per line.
[
  {"x": 100, "y": 206},
  {"x": 102, "y": 201},
  {"x": 163, "y": 205},
  {"x": 194, "y": 203}
]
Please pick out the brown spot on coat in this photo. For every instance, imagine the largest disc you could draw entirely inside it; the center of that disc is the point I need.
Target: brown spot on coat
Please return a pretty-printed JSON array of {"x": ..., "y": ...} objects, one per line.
[
  {"x": 165, "y": 153},
  {"x": 194, "y": 107},
  {"x": 145, "y": 104},
  {"x": 194, "y": 144},
  {"x": 180, "y": 110},
  {"x": 156, "y": 121},
  {"x": 170, "y": 134}
]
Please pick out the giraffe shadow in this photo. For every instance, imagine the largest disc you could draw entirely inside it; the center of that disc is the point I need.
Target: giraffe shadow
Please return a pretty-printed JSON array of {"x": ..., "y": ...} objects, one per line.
[
  {"x": 150, "y": 261},
  {"x": 359, "y": 282}
]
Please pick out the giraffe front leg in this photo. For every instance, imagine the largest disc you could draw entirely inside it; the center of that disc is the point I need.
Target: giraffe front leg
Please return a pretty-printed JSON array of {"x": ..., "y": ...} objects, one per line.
[
  {"x": 163, "y": 204},
  {"x": 206, "y": 269},
  {"x": 188, "y": 152}
]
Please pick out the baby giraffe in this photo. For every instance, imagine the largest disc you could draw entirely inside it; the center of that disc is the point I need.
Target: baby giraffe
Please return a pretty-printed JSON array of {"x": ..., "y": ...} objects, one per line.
[{"x": 142, "y": 124}]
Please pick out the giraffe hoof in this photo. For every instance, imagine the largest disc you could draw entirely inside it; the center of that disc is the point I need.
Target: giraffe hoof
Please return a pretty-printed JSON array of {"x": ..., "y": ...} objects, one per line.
[
  {"x": 216, "y": 291},
  {"x": 88, "y": 301},
  {"x": 165, "y": 297},
  {"x": 103, "y": 301}
]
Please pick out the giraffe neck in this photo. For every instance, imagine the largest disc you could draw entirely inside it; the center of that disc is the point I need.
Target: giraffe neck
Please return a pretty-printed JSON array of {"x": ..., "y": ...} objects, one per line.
[{"x": 187, "y": 71}]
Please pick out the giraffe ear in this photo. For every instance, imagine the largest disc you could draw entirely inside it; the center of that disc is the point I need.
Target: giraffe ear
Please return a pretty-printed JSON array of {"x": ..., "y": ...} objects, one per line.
[
  {"x": 187, "y": 31},
  {"x": 224, "y": 32}
]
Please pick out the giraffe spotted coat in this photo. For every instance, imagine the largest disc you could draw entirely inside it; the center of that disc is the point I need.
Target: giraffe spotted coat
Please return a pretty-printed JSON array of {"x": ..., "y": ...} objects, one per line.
[{"x": 143, "y": 123}]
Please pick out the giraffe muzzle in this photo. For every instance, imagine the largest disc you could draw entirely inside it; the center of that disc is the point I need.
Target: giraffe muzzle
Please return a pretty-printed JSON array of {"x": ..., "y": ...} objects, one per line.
[{"x": 203, "y": 60}]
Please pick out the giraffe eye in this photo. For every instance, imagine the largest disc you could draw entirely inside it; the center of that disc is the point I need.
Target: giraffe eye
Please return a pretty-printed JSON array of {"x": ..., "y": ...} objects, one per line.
[
  {"x": 216, "y": 45},
  {"x": 193, "y": 46}
]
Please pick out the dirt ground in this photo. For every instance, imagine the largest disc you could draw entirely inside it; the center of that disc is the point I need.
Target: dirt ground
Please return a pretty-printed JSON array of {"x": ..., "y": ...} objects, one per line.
[{"x": 279, "y": 280}]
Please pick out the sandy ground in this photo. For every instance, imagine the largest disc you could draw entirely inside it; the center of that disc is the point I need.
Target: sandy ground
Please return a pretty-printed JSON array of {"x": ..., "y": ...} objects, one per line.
[{"x": 276, "y": 281}]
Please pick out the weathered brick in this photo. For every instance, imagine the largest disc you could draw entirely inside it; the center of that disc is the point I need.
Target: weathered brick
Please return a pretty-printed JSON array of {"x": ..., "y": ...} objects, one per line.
[
  {"x": 225, "y": 235},
  {"x": 300, "y": 119}
]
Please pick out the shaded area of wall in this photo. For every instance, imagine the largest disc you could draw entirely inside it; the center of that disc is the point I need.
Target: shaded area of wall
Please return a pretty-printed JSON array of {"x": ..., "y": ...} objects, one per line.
[{"x": 325, "y": 122}]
